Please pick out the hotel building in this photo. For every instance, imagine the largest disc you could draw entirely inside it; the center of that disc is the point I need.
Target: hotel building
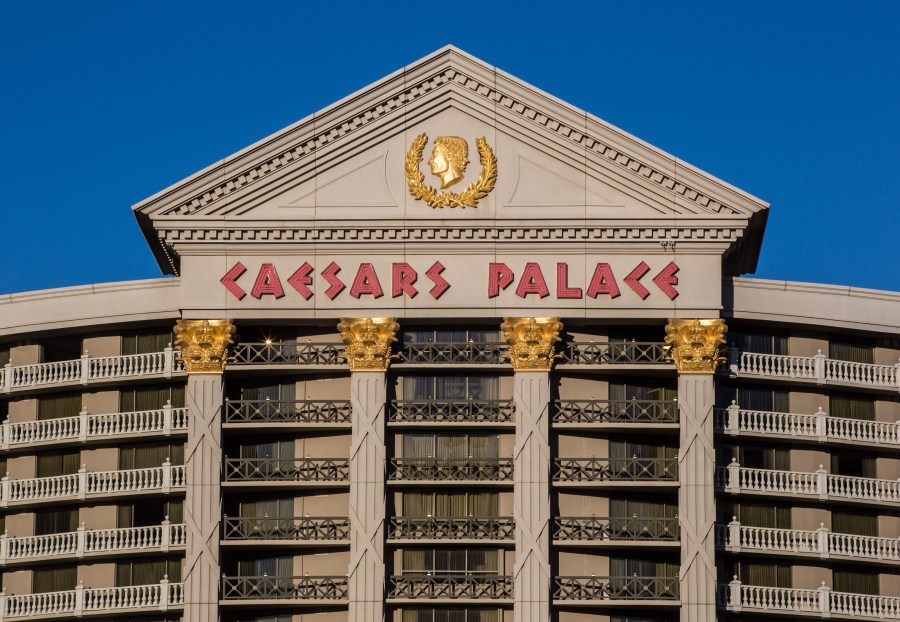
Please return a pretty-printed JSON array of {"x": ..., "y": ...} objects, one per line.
[{"x": 450, "y": 350}]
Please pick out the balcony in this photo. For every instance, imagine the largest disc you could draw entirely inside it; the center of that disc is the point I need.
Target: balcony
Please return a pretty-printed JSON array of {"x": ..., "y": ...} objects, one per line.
[
  {"x": 446, "y": 470},
  {"x": 819, "y": 543},
  {"x": 613, "y": 413},
  {"x": 301, "y": 529},
  {"x": 817, "y": 369},
  {"x": 821, "y": 602},
  {"x": 295, "y": 590},
  {"x": 614, "y": 353},
  {"x": 625, "y": 531},
  {"x": 456, "y": 412},
  {"x": 454, "y": 588},
  {"x": 85, "y": 428},
  {"x": 293, "y": 470},
  {"x": 736, "y": 479},
  {"x": 82, "y": 601},
  {"x": 580, "y": 471},
  {"x": 93, "y": 543},
  {"x": 307, "y": 412},
  {"x": 86, "y": 485},
  {"x": 89, "y": 370},
  {"x": 594, "y": 590},
  {"x": 289, "y": 353},
  {"x": 452, "y": 353},
  {"x": 818, "y": 427},
  {"x": 458, "y": 529}
]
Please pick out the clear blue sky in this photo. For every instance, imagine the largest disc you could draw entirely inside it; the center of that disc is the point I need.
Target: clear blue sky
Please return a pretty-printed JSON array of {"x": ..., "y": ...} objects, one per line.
[{"x": 105, "y": 103}]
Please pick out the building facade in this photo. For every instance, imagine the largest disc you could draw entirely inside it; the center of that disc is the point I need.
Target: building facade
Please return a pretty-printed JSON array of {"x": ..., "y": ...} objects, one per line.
[{"x": 520, "y": 380}]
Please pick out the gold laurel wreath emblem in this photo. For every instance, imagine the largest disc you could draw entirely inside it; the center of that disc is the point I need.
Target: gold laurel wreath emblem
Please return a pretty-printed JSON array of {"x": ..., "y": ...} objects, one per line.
[{"x": 478, "y": 189}]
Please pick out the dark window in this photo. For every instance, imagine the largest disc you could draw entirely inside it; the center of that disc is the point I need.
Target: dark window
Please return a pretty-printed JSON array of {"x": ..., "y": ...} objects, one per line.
[
  {"x": 851, "y": 407},
  {"x": 56, "y": 579},
  {"x": 4, "y": 355},
  {"x": 281, "y": 566},
  {"x": 640, "y": 391},
  {"x": 148, "y": 455},
  {"x": 855, "y": 581},
  {"x": 760, "y": 343},
  {"x": 469, "y": 614},
  {"x": 766, "y": 574},
  {"x": 451, "y": 446},
  {"x": 58, "y": 463},
  {"x": 852, "y": 463},
  {"x": 854, "y": 350},
  {"x": 61, "y": 349},
  {"x": 147, "y": 341},
  {"x": 631, "y": 566},
  {"x": 622, "y": 450},
  {"x": 450, "y": 504},
  {"x": 756, "y": 514},
  {"x": 451, "y": 387},
  {"x": 752, "y": 398},
  {"x": 283, "y": 392},
  {"x": 451, "y": 561},
  {"x": 451, "y": 336},
  {"x": 147, "y": 571},
  {"x": 59, "y": 406},
  {"x": 855, "y": 523},
  {"x": 47, "y": 522},
  {"x": 149, "y": 513},
  {"x": 627, "y": 508},
  {"x": 150, "y": 398}
]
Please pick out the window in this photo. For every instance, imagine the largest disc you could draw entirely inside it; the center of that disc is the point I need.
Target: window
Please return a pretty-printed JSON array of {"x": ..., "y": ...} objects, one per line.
[
  {"x": 4, "y": 355},
  {"x": 147, "y": 341},
  {"x": 631, "y": 566},
  {"x": 48, "y": 522},
  {"x": 451, "y": 336},
  {"x": 150, "y": 512},
  {"x": 765, "y": 574},
  {"x": 451, "y": 387},
  {"x": 61, "y": 349},
  {"x": 630, "y": 391},
  {"x": 59, "y": 406},
  {"x": 283, "y": 392},
  {"x": 851, "y": 407},
  {"x": 148, "y": 455},
  {"x": 855, "y": 523},
  {"x": 760, "y": 343},
  {"x": 852, "y": 463},
  {"x": 445, "y": 562},
  {"x": 754, "y": 457},
  {"x": 451, "y": 504},
  {"x": 749, "y": 398},
  {"x": 58, "y": 463},
  {"x": 845, "y": 348},
  {"x": 276, "y": 450},
  {"x": 281, "y": 566},
  {"x": 267, "y": 508},
  {"x": 147, "y": 571},
  {"x": 54, "y": 579},
  {"x": 756, "y": 514},
  {"x": 469, "y": 614},
  {"x": 623, "y": 450},
  {"x": 627, "y": 508},
  {"x": 854, "y": 580},
  {"x": 150, "y": 398},
  {"x": 451, "y": 446}
]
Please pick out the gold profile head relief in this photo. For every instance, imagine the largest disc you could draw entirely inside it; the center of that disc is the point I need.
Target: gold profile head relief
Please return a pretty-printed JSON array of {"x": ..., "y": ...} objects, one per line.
[{"x": 448, "y": 162}]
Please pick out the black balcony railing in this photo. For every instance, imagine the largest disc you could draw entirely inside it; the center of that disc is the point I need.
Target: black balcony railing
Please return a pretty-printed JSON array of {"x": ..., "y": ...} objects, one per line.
[
  {"x": 326, "y": 528},
  {"x": 452, "y": 411},
  {"x": 451, "y": 587},
  {"x": 453, "y": 528},
  {"x": 287, "y": 469},
  {"x": 289, "y": 353},
  {"x": 614, "y": 353},
  {"x": 615, "y": 411},
  {"x": 297, "y": 411},
  {"x": 594, "y": 528},
  {"x": 615, "y": 588},
  {"x": 450, "y": 352},
  {"x": 295, "y": 588},
  {"x": 611, "y": 470},
  {"x": 478, "y": 469}
]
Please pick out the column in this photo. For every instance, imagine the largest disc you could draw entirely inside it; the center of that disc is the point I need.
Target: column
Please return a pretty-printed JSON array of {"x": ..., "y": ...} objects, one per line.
[
  {"x": 531, "y": 352},
  {"x": 368, "y": 342},
  {"x": 696, "y": 350},
  {"x": 204, "y": 350}
]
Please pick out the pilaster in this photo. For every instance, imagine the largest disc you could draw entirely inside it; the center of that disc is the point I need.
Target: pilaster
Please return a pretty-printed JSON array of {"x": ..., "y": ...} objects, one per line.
[
  {"x": 368, "y": 342},
  {"x": 696, "y": 352},
  {"x": 204, "y": 350}
]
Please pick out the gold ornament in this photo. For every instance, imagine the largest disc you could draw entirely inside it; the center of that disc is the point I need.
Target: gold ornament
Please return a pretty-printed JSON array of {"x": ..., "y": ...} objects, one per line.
[
  {"x": 531, "y": 341},
  {"x": 696, "y": 345},
  {"x": 448, "y": 162},
  {"x": 368, "y": 342},
  {"x": 204, "y": 344}
]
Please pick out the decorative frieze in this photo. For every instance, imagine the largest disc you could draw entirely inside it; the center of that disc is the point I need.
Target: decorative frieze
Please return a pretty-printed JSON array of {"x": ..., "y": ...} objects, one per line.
[
  {"x": 531, "y": 342},
  {"x": 696, "y": 345},
  {"x": 204, "y": 344},
  {"x": 368, "y": 341}
]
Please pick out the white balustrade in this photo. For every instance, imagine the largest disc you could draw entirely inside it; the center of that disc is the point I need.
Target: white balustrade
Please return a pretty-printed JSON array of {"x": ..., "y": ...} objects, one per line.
[
  {"x": 87, "y": 369},
  {"x": 156, "y": 597},
  {"x": 88, "y": 484},
  {"x": 822, "y": 601},
  {"x": 819, "y": 368}
]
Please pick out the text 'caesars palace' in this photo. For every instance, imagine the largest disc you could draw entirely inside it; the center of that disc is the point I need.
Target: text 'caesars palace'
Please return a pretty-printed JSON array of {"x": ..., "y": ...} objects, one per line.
[{"x": 450, "y": 350}]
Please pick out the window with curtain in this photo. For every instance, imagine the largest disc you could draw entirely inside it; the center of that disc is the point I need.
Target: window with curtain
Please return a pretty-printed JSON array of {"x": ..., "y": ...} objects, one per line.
[
  {"x": 451, "y": 446},
  {"x": 277, "y": 450},
  {"x": 147, "y": 571},
  {"x": 450, "y": 504},
  {"x": 633, "y": 391},
  {"x": 469, "y": 614},
  {"x": 280, "y": 566},
  {"x": 855, "y": 523},
  {"x": 451, "y": 387},
  {"x": 150, "y": 512},
  {"x": 755, "y": 457},
  {"x": 761, "y": 343},
  {"x": 620, "y": 450},
  {"x": 54, "y": 579},
  {"x": 851, "y": 407},
  {"x": 452, "y": 335},
  {"x": 48, "y": 522},
  {"x": 754, "y": 398},
  {"x": 627, "y": 508},
  {"x": 852, "y": 463},
  {"x": 150, "y": 398},
  {"x": 267, "y": 508},
  {"x": 147, "y": 341},
  {"x": 854, "y": 580},
  {"x": 643, "y": 618},
  {"x": 4, "y": 355},
  {"x": 766, "y": 574},
  {"x": 50, "y": 464},
  {"x": 281, "y": 392},
  {"x": 843, "y": 348},
  {"x": 61, "y": 349},
  {"x": 147, "y": 455},
  {"x": 630, "y": 566},
  {"x": 454, "y": 561},
  {"x": 59, "y": 406},
  {"x": 756, "y": 514}
]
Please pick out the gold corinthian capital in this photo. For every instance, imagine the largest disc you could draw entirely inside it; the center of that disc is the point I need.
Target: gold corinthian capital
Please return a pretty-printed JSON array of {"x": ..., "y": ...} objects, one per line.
[
  {"x": 204, "y": 344},
  {"x": 368, "y": 341},
  {"x": 696, "y": 345},
  {"x": 531, "y": 341}
]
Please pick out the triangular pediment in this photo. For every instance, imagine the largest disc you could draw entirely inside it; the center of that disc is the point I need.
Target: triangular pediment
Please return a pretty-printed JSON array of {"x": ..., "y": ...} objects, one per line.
[{"x": 555, "y": 165}]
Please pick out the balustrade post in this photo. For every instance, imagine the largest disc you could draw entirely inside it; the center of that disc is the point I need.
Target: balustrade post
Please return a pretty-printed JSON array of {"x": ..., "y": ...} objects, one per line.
[
  {"x": 4, "y": 491},
  {"x": 824, "y": 601},
  {"x": 4, "y": 546},
  {"x": 734, "y": 536},
  {"x": 4, "y": 430},
  {"x": 820, "y": 367},
  {"x": 168, "y": 360},
  {"x": 896, "y": 374},
  {"x": 167, "y": 418},
  {"x": 164, "y": 593},
  {"x": 166, "y": 534},
  {"x": 80, "y": 541},
  {"x": 82, "y": 482},
  {"x": 734, "y": 594},
  {"x": 85, "y": 368},
  {"x": 822, "y": 481},
  {"x": 822, "y": 535},
  {"x": 733, "y": 473},
  {"x": 83, "y": 425},
  {"x": 79, "y": 599},
  {"x": 732, "y": 421},
  {"x": 167, "y": 476},
  {"x": 7, "y": 377},
  {"x": 2, "y": 605},
  {"x": 821, "y": 425}
]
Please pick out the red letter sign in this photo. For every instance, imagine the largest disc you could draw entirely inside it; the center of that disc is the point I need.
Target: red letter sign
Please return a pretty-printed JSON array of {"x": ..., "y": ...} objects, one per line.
[
  {"x": 633, "y": 280},
  {"x": 267, "y": 282},
  {"x": 603, "y": 282},
  {"x": 403, "y": 278},
  {"x": 337, "y": 286},
  {"x": 229, "y": 280},
  {"x": 666, "y": 279},
  {"x": 499, "y": 277},
  {"x": 532, "y": 282},
  {"x": 440, "y": 283},
  {"x": 366, "y": 282},
  {"x": 301, "y": 279},
  {"x": 562, "y": 283}
]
